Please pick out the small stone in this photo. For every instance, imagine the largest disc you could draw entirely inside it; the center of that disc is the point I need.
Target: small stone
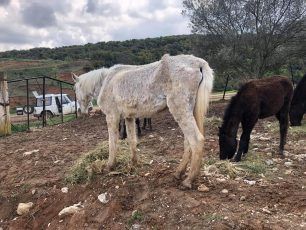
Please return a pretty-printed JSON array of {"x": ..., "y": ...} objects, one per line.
[
  {"x": 136, "y": 226},
  {"x": 30, "y": 152},
  {"x": 57, "y": 161},
  {"x": 203, "y": 188},
  {"x": 64, "y": 190},
  {"x": 242, "y": 198},
  {"x": 147, "y": 174},
  {"x": 288, "y": 163},
  {"x": 304, "y": 173},
  {"x": 151, "y": 136},
  {"x": 103, "y": 198},
  {"x": 71, "y": 209},
  {"x": 250, "y": 182},
  {"x": 117, "y": 187},
  {"x": 269, "y": 154},
  {"x": 225, "y": 218},
  {"x": 24, "y": 208},
  {"x": 269, "y": 162},
  {"x": 221, "y": 180},
  {"x": 266, "y": 210},
  {"x": 232, "y": 196},
  {"x": 288, "y": 172},
  {"x": 33, "y": 191},
  {"x": 224, "y": 191}
]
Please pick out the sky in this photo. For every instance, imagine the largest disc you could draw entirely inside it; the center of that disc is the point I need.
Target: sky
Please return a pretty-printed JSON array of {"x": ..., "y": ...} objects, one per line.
[{"x": 26, "y": 24}]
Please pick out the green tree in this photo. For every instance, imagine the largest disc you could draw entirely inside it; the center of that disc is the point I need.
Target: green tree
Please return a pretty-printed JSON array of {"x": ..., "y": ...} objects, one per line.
[{"x": 250, "y": 34}]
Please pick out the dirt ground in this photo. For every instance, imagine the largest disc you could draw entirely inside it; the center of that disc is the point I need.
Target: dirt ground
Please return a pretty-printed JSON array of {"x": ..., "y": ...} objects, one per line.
[{"x": 150, "y": 198}]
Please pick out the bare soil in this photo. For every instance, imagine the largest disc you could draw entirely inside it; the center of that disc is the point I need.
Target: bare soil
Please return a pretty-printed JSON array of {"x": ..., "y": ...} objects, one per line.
[{"x": 276, "y": 201}]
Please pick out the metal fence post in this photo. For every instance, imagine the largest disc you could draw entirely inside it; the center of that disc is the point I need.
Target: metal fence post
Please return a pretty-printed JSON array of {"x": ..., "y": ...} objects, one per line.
[
  {"x": 28, "y": 114},
  {"x": 44, "y": 102},
  {"x": 76, "y": 105},
  {"x": 62, "y": 112},
  {"x": 225, "y": 88}
]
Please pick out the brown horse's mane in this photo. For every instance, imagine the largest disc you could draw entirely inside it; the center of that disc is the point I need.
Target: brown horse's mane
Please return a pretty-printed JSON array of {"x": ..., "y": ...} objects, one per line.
[{"x": 231, "y": 109}]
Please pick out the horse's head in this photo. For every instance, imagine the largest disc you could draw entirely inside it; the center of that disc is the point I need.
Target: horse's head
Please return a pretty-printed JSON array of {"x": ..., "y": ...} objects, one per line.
[
  {"x": 296, "y": 114},
  {"x": 227, "y": 144},
  {"x": 83, "y": 99}
]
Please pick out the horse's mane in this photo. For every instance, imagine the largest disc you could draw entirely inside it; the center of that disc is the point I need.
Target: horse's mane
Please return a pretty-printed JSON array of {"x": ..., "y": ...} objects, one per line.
[
  {"x": 230, "y": 110},
  {"x": 91, "y": 82},
  {"x": 299, "y": 94}
]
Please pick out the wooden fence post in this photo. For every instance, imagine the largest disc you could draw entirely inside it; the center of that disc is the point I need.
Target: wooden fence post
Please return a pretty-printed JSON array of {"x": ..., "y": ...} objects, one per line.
[{"x": 5, "y": 119}]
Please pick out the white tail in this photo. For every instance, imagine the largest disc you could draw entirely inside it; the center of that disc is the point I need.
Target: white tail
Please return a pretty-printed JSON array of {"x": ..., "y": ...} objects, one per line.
[{"x": 203, "y": 94}]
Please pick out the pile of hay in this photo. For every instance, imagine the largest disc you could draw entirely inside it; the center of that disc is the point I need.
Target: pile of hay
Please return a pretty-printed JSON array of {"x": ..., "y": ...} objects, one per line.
[{"x": 94, "y": 162}]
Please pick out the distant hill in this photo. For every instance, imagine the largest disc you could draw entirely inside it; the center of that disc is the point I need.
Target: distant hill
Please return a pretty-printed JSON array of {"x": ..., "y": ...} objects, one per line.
[{"x": 135, "y": 51}]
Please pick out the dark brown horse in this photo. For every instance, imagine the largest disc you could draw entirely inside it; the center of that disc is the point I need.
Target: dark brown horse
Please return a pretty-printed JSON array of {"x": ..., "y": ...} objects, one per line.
[
  {"x": 298, "y": 103},
  {"x": 255, "y": 100}
]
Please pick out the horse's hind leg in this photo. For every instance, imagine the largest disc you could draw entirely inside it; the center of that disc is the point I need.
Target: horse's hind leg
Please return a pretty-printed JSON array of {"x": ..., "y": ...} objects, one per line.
[
  {"x": 183, "y": 164},
  {"x": 132, "y": 138},
  {"x": 195, "y": 140},
  {"x": 113, "y": 132},
  {"x": 283, "y": 119}
]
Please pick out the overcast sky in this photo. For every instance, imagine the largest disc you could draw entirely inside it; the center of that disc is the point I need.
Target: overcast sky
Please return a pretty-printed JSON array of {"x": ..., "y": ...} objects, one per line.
[{"x": 26, "y": 24}]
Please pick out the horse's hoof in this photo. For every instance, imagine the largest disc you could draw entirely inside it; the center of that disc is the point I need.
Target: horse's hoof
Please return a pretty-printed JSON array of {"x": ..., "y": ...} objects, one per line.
[
  {"x": 187, "y": 183},
  {"x": 177, "y": 175}
]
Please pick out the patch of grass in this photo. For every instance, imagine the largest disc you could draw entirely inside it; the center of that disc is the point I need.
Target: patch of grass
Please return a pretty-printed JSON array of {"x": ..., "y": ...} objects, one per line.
[
  {"x": 94, "y": 162},
  {"x": 215, "y": 121},
  {"x": 136, "y": 216},
  {"x": 211, "y": 217},
  {"x": 253, "y": 164},
  {"x": 298, "y": 129}
]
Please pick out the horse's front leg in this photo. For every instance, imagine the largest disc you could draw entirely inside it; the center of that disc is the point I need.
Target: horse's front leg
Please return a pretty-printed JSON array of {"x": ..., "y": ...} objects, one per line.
[
  {"x": 243, "y": 145},
  {"x": 113, "y": 132},
  {"x": 132, "y": 138},
  {"x": 247, "y": 124}
]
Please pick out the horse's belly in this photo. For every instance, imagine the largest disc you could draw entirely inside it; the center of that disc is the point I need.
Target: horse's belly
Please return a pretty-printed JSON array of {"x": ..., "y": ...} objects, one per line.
[{"x": 145, "y": 108}]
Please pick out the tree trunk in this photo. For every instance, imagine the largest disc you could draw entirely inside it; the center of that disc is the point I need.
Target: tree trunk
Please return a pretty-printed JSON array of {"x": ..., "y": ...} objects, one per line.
[{"x": 5, "y": 121}]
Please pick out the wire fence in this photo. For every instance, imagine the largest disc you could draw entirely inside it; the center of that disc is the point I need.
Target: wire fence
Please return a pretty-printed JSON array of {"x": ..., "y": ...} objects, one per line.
[{"x": 41, "y": 101}]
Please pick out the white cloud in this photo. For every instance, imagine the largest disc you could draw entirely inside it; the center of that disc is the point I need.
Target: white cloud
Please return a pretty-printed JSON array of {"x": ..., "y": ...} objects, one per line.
[{"x": 35, "y": 23}]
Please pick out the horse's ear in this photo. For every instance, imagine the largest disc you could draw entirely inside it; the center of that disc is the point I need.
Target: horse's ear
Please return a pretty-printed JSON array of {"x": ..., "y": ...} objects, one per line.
[{"x": 74, "y": 77}]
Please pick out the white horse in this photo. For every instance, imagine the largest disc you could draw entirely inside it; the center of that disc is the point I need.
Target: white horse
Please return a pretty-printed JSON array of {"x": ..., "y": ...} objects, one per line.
[{"x": 182, "y": 83}]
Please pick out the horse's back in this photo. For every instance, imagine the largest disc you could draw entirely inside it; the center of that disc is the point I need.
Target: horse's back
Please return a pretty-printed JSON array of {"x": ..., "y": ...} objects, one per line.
[{"x": 266, "y": 95}]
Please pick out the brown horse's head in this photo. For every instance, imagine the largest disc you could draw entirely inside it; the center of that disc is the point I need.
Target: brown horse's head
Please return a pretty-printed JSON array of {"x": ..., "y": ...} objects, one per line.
[
  {"x": 228, "y": 145},
  {"x": 296, "y": 114}
]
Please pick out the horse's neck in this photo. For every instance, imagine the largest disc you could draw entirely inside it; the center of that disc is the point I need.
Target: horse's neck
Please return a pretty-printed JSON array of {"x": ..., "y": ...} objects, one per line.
[
  {"x": 97, "y": 82},
  {"x": 233, "y": 119}
]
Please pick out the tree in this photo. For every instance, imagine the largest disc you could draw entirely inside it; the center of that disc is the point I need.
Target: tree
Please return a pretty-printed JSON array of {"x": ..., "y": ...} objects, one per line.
[{"x": 251, "y": 33}]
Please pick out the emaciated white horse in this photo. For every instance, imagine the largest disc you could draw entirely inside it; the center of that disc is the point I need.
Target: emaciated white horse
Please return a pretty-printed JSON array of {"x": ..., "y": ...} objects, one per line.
[{"x": 182, "y": 83}]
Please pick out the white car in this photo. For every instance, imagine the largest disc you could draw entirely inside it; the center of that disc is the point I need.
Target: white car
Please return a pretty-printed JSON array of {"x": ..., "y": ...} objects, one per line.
[{"x": 53, "y": 105}]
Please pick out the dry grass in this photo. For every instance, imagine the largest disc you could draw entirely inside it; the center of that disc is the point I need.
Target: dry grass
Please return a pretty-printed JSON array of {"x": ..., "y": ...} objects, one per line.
[{"x": 94, "y": 162}]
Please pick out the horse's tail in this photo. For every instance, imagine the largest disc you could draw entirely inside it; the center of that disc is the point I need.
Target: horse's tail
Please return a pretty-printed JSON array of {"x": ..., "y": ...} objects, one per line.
[{"x": 203, "y": 94}]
